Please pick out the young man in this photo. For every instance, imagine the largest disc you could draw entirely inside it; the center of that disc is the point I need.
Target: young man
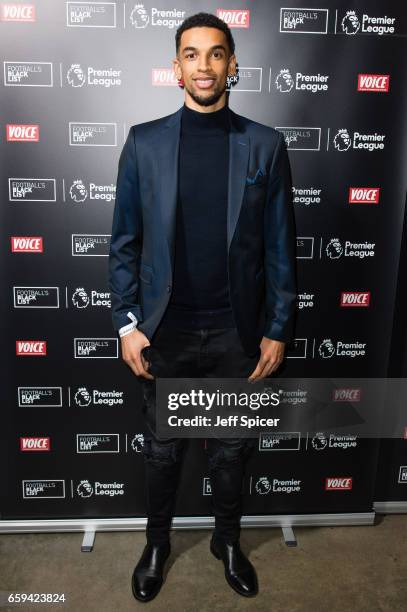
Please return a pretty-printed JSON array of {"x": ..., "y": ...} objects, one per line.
[{"x": 202, "y": 276}]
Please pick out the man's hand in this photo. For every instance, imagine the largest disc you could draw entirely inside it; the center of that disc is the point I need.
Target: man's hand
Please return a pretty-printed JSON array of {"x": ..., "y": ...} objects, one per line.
[
  {"x": 132, "y": 344},
  {"x": 272, "y": 353}
]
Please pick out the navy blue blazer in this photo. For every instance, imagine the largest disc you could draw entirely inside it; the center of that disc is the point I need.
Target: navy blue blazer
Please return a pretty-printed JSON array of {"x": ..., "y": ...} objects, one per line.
[{"x": 260, "y": 229}]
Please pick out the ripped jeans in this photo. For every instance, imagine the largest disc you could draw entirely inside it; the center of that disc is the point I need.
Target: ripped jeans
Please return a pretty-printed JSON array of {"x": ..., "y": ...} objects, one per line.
[{"x": 202, "y": 353}]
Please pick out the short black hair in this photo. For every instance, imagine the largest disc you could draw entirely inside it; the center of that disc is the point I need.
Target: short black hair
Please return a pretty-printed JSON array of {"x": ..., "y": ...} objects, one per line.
[{"x": 204, "y": 20}]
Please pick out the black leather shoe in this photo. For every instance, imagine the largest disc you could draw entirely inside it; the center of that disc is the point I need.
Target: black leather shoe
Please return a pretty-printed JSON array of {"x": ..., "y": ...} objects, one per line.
[
  {"x": 239, "y": 572},
  {"x": 147, "y": 577}
]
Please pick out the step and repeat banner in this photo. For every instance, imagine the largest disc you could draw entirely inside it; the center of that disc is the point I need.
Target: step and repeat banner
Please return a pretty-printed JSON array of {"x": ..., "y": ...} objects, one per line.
[
  {"x": 76, "y": 76},
  {"x": 391, "y": 481}
]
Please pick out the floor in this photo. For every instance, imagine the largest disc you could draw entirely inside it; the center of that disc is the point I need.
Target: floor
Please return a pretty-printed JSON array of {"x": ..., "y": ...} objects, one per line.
[{"x": 344, "y": 569}]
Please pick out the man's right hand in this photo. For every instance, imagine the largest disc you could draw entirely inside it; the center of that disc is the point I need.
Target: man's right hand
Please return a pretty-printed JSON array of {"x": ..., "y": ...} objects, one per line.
[{"x": 132, "y": 345}]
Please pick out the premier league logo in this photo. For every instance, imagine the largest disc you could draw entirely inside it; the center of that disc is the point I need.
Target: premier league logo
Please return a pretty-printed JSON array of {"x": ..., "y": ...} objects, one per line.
[{"x": 284, "y": 81}]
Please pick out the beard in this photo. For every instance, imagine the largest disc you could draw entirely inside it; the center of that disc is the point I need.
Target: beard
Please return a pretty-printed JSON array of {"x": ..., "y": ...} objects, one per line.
[{"x": 207, "y": 100}]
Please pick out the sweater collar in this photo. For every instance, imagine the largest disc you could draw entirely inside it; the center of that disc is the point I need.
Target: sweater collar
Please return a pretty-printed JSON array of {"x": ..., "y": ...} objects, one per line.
[{"x": 212, "y": 122}]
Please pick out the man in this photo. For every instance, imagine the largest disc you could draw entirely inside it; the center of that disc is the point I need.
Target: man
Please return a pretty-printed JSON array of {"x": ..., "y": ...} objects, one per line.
[{"x": 202, "y": 276}]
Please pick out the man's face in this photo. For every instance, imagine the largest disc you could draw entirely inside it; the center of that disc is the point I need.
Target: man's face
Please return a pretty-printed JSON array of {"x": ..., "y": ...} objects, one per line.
[{"x": 203, "y": 62}]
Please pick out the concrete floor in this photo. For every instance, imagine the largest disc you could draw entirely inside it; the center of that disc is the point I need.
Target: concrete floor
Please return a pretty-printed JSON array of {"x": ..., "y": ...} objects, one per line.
[{"x": 332, "y": 569}]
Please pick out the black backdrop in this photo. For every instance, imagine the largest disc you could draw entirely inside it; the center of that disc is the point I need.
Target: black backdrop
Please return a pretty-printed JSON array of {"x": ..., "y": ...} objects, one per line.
[{"x": 79, "y": 74}]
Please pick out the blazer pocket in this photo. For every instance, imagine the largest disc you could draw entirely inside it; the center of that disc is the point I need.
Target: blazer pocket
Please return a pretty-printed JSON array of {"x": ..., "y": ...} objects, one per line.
[
  {"x": 261, "y": 179},
  {"x": 146, "y": 274}
]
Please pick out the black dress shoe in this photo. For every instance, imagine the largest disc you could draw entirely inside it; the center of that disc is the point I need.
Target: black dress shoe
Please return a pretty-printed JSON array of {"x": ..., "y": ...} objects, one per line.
[
  {"x": 239, "y": 572},
  {"x": 147, "y": 577}
]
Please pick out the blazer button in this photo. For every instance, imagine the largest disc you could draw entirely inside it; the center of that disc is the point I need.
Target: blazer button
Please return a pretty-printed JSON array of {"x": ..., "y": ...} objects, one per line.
[{"x": 169, "y": 288}]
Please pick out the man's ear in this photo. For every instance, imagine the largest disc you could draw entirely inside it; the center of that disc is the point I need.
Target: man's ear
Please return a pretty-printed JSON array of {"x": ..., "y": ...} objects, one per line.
[
  {"x": 176, "y": 68},
  {"x": 232, "y": 65}
]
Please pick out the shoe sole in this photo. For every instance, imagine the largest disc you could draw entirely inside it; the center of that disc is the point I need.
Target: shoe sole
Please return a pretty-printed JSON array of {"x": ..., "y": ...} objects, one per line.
[{"x": 217, "y": 555}]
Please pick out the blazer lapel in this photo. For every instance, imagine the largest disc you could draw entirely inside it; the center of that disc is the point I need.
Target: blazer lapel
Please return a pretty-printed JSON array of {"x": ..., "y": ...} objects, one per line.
[
  {"x": 167, "y": 152},
  {"x": 239, "y": 149}
]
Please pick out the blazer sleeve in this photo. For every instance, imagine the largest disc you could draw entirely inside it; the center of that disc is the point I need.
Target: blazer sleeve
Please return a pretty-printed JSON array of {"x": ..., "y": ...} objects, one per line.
[
  {"x": 126, "y": 239},
  {"x": 280, "y": 249}
]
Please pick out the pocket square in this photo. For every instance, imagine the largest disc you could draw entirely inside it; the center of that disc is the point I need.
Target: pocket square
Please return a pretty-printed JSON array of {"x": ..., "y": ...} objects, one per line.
[{"x": 257, "y": 178}]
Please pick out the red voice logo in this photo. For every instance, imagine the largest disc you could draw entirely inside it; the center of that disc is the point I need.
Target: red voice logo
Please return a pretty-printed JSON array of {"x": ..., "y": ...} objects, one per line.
[
  {"x": 338, "y": 483},
  {"x": 31, "y": 348},
  {"x": 26, "y": 244},
  {"x": 355, "y": 298},
  {"x": 373, "y": 82},
  {"x": 163, "y": 77},
  {"x": 17, "y": 12},
  {"x": 235, "y": 18},
  {"x": 364, "y": 195},
  {"x": 346, "y": 395},
  {"x": 22, "y": 133},
  {"x": 35, "y": 444}
]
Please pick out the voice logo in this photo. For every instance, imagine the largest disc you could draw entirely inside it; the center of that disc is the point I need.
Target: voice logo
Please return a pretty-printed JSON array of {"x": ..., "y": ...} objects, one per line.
[
  {"x": 355, "y": 299},
  {"x": 235, "y": 18},
  {"x": 31, "y": 348},
  {"x": 373, "y": 82},
  {"x": 347, "y": 394},
  {"x": 35, "y": 444},
  {"x": 338, "y": 483},
  {"x": 364, "y": 195},
  {"x": 27, "y": 244},
  {"x": 22, "y": 133},
  {"x": 18, "y": 12},
  {"x": 163, "y": 77}
]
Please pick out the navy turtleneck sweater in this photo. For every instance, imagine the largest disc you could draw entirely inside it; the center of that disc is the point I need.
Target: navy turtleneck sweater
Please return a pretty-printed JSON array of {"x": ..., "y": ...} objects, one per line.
[{"x": 200, "y": 295}]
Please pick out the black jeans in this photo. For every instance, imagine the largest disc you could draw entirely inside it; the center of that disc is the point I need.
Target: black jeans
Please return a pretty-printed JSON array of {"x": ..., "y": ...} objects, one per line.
[{"x": 202, "y": 353}]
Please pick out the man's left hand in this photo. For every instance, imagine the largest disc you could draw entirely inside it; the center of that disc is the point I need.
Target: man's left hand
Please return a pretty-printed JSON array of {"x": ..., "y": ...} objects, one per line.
[{"x": 272, "y": 353}]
